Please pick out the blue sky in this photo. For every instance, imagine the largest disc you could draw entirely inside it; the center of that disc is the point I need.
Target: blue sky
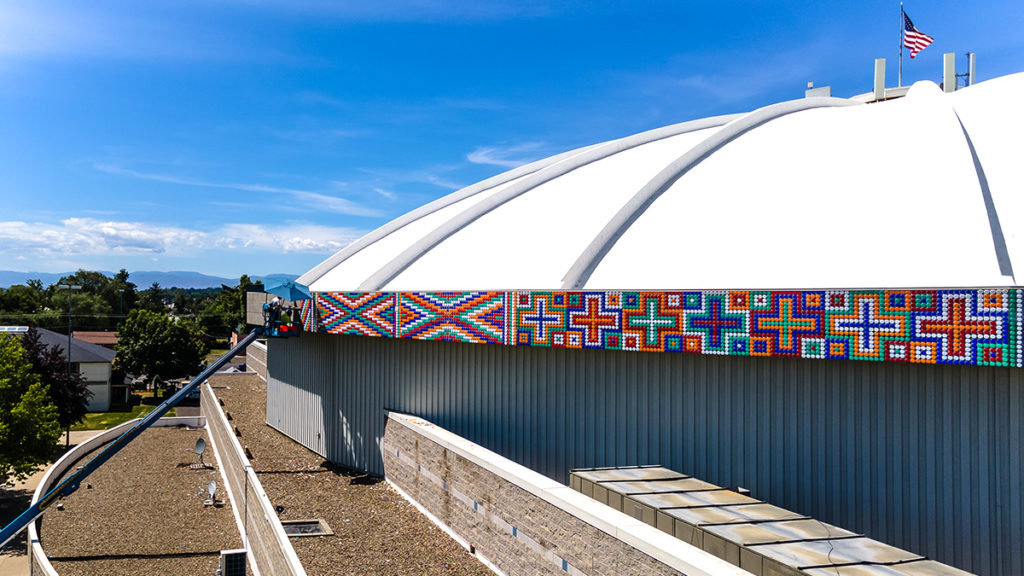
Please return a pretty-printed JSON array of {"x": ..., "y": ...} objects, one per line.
[{"x": 247, "y": 136}]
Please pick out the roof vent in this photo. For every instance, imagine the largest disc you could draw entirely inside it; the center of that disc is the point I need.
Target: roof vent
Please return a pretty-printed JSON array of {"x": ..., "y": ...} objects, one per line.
[
  {"x": 232, "y": 563},
  {"x": 301, "y": 528}
]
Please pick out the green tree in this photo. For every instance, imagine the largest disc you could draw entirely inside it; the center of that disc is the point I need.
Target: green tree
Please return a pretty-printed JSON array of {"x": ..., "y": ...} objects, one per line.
[
  {"x": 28, "y": 420},
  {"x": 233, "y": 301},
  {"x": 21, "y": 299},
  {"x": 213, "y": 319},
  {"x": 89, "y": 311},
  {"x": 219, "y": 316},
  {"x": 91, "y": 282},
  {"x": 162, "y": 348},
  {"x": 69, "y": 393},
  {"x": 120, "y": 294},
  {"x": 153, "y": 298},
  {"x": 91, "y": 307}
]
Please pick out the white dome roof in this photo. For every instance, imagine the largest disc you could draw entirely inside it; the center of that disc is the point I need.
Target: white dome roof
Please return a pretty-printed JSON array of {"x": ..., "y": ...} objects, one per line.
[{"x": 922, "y": 191}]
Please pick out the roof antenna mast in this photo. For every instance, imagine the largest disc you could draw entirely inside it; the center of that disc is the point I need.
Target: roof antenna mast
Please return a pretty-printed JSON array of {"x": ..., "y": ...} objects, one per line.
[{"x": 899, "y": 75}]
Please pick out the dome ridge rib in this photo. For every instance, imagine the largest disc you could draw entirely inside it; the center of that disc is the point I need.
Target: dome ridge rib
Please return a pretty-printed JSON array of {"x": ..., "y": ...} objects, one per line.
[
  {"x": 429, "y": 208},
  {"x": 578, "y": 275},
  {"x": 998, "y": 240},
  {"x": 396, "y": 266}
]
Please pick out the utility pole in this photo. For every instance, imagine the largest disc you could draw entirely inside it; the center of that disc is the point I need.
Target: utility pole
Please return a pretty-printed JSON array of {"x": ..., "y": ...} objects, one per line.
[{"x": 67, "y": 431}]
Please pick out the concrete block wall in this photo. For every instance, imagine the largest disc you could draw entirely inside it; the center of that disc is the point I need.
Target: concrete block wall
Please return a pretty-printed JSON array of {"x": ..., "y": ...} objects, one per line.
[
  {"x": 270, "y": 550},
  {"x": 523, "y": 522},
  {"x": 256, "y": 358}
]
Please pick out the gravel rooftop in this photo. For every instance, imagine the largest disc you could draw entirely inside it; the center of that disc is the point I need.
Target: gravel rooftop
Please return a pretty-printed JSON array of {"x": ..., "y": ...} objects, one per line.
[
  {"x": 375, "y": 530},
  {"x": 142, "y": 513}
]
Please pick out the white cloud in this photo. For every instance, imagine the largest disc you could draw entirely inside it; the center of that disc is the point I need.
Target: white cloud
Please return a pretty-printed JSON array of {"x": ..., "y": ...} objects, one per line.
[
  {"x": 322, "y": 136},
  {"x": 507, "y": 156},
  {"x": 410, "y": 10},
  {"x": 386, "y": 193},
  {"x": 731, "y": 75},
  {"x": 91, "y": 237},
  {"x": 311, "y": 200},
  {"x": 86, "y": 29},
  {"x": 200, "y": 30},
  {"x": 433, "y": 175},
  {"x": 313, "y": 97}
]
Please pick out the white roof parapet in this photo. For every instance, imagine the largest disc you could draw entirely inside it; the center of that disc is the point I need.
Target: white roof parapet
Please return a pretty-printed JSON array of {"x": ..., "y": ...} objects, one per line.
[{"x": 663, "y": 547}]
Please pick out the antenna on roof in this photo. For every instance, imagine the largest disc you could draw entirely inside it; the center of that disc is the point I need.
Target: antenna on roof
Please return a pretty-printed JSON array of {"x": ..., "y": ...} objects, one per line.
[{"x": 967, "y": 77}]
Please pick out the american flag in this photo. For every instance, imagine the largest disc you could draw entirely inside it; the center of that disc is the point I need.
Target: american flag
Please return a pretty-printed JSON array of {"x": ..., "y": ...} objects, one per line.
[{"x": 912, "y": 38}]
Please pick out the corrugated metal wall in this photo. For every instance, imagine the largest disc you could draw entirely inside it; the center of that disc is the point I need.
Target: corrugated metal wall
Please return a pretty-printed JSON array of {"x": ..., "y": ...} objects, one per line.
[{"x": 928, "y": 458}]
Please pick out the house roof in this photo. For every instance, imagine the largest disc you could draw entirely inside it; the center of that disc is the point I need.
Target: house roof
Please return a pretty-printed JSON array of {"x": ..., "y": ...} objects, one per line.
[
  {"x": 921, "y": 191},
  {"x": 101, "y": 338},
  {"x": 81, "y": 351}
]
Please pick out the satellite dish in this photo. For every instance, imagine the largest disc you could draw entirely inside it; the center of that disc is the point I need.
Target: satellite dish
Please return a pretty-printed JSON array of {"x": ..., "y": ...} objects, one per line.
[
  {"x": 212, "y": 500},
  {"x": 200, "y": 448}
]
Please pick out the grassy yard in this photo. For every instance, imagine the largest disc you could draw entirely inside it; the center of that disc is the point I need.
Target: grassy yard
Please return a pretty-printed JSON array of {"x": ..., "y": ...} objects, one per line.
[
  {"x": 214, "y": 354},
  {"x": 105, "y": 420}
]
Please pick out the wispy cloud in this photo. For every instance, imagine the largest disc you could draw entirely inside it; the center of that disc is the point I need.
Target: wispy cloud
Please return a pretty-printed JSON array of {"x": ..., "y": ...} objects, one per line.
[
  {"x": 731, "y": 76},
  {"x": 318, "y": 136},
  {"x": 436, "y": 175},
  {"x": 316, "y": 98},
  {"x": 84, "y": 29},
  {"x": 312, "y": 200},
  {"x": 473, "y": 104},
  {"x": 386, "y": 193},
  {"x": 507, "y": 156},
  {"x": 412, "y": 10},
  {"x": 92, "y": 237}
]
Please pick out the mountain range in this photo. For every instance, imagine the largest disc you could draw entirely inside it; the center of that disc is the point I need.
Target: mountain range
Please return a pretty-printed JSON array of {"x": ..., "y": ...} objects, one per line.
[{"x": 144, "y": 279}]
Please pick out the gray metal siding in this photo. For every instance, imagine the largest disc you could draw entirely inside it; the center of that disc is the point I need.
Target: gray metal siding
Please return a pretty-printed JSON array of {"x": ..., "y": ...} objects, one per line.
[{"x": 928, "y": 458}]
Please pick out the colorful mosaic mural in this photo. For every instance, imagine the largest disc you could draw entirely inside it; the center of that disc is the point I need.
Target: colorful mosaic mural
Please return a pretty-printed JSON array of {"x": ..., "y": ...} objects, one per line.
[
  {"x": 361, "y": 313},
  {"x": 478, "y": 317},
  {"x": 978, "y": 327},
  {"x": 307, "y": 313}
]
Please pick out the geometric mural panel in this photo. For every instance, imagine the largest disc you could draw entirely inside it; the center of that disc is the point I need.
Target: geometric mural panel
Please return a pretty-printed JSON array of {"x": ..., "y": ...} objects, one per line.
[{"x": 978, "y": 326}]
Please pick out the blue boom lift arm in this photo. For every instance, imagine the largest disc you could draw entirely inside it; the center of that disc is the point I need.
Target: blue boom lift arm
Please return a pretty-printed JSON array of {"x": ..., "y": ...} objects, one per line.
[{"x": 72, "y": 482}]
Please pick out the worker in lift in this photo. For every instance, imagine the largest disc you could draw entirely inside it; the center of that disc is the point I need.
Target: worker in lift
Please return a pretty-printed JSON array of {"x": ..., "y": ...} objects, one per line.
[{"x": 272, "y": 312}]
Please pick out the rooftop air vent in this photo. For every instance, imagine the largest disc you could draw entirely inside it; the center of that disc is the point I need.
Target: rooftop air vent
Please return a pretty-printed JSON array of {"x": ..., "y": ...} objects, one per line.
[
  {"x": 300, "y": 528},
  {"x": 232, "y": 563}
]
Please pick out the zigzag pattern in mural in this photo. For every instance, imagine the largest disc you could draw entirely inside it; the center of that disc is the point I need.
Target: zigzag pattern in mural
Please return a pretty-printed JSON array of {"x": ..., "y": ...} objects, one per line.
[
  {"x": 478, "y": 317},
  {"x": 977, "y": 327},
  {"x": 359, "y": 313},
  {"x": 308, "y": 315}
]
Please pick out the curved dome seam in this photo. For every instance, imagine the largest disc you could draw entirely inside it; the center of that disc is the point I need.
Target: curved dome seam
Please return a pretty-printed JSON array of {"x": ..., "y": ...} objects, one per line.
[
  {"x": 400, "y": 263},
  {"x": 578, "y": 275},
  {"x": 427, "y": 209},
  {"x": 998, "y": 240}
]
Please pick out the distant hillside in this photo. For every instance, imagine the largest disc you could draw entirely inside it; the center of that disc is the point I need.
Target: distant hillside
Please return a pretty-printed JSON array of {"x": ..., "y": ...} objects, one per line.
[
  {"x": 144, "y": 279},
  {"x": 9, "y": 278}
]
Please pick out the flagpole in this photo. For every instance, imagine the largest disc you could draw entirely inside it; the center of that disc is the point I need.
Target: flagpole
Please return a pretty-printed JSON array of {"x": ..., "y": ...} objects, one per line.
[{"x": 899, "y": 77}]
